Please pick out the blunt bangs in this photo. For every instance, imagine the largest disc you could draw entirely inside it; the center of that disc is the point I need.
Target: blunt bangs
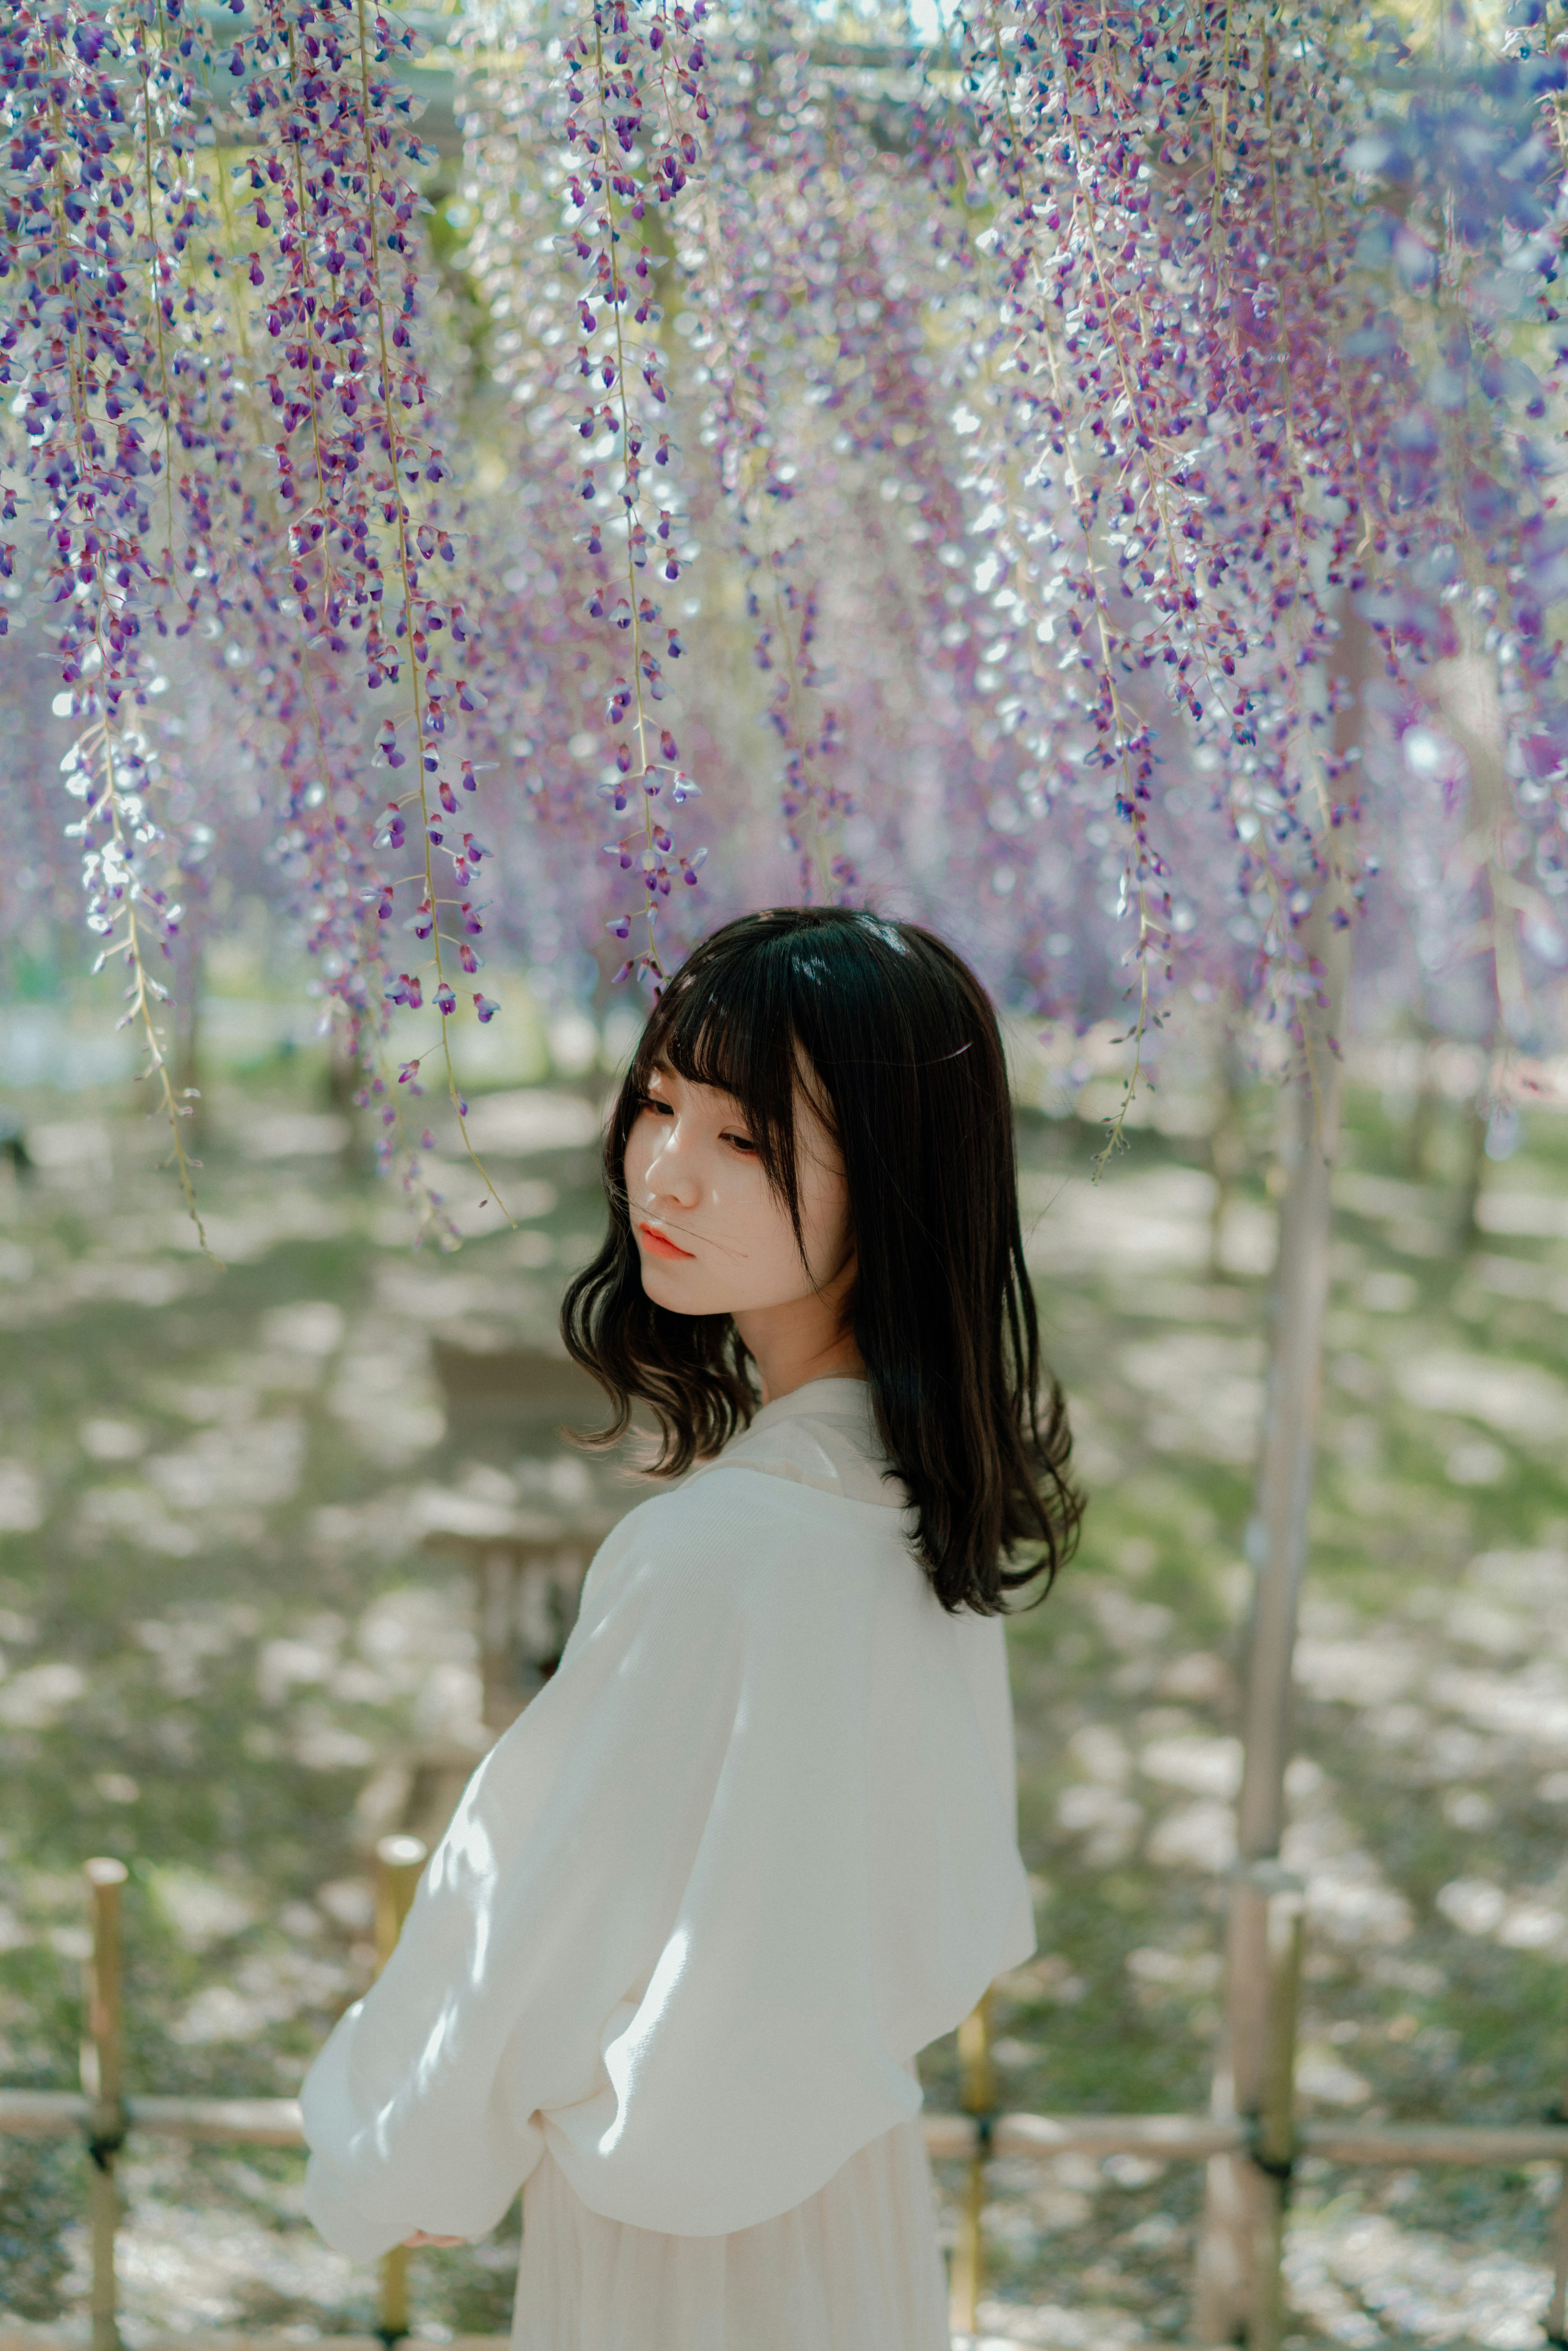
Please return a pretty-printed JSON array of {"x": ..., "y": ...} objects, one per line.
[
  {"x": 733, "y": 1023},
  {"x": 891, "y": 1039}
]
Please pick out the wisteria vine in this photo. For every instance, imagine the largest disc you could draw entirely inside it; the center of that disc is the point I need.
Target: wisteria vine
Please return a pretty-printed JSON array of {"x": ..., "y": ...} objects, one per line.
[
  {"x": 1018, "y": 430},
  {"x": 635, "y": 104}
]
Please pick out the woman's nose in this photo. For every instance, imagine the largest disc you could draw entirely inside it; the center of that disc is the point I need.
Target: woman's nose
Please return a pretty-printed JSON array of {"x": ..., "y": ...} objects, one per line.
[{"x": 670, "y": 1176}]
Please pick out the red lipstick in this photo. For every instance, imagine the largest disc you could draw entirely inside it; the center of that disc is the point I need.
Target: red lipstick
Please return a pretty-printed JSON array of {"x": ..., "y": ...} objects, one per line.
[{"x": 660, "y": 1244}]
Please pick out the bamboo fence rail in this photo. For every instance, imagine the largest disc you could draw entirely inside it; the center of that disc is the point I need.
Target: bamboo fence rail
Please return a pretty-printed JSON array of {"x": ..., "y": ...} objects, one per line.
[{"x": 1271, "y": 2140}]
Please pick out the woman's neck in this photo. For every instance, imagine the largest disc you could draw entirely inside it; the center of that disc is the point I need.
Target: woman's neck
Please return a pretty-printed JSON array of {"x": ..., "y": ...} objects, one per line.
[{"x": 808, "y": 1339}]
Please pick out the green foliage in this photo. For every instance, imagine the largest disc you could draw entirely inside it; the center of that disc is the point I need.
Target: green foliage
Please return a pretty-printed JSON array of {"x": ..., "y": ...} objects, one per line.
[{"x": 238, "y": 1705}]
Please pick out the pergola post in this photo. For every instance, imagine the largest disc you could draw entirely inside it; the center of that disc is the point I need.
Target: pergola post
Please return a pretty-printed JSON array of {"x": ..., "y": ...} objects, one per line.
[
  {"x": 103, "y": 2081},
  {"x": 1228, "y": 2283}
]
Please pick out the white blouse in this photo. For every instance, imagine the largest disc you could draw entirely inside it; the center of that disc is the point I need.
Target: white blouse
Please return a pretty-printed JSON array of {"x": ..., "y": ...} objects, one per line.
[{"x": 750, "y": 1849}]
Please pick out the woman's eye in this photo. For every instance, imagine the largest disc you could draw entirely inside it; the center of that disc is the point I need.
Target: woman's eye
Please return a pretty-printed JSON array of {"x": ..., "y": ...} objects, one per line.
[
  {"x": 742, "y": 1143},
  {"x": 659, "y": 1109}
]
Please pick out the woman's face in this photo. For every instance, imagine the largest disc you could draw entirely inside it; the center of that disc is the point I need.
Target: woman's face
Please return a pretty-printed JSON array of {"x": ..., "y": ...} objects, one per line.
[{"x": 713, "y": 1235}]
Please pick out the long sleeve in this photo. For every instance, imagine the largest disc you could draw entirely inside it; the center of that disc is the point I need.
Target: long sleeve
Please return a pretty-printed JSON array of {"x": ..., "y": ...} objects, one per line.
[{"x": 668, "y": 1928}]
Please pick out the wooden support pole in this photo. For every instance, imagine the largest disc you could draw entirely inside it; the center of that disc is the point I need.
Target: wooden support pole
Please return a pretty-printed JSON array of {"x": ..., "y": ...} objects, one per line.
[
  {"x": 1235, "y": 2207},
  {"x": 1226, "y": 2293},
  {"x": 399, "y": 1860},
  {"x": 1274, "y": 2145},
  {"x": 1556, "y": 2319},
  {"x": 1472, "y": 715},
  {"x": 978, "y": 2096},
  {"x": 1557, "y": 2309},
  {"x": 103, "y": 2081}
]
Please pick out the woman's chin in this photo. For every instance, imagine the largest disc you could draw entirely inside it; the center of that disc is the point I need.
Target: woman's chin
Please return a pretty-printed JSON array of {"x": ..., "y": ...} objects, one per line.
[{"x": 661, "y": 1281}]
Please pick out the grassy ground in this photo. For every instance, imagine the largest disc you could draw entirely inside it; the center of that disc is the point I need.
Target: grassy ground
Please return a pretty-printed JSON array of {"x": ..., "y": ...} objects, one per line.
[{"x": 217, "y": 1627}]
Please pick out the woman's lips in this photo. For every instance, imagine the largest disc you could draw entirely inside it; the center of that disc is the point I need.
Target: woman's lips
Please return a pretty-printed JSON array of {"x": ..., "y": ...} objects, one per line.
[{"x": 660, "y": 1244}]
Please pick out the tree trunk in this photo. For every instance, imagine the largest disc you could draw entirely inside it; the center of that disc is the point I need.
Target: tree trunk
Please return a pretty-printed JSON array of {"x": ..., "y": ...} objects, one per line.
[
  {"x": 1473, "y": 1174},
  {"x": 1228, "y": 1154},
  {"x": 1425, "y": 1112},
  {"x": 345, "y": 1082},
  {"x": 1471, "y": 711},
  {"x": 1227, "y": 2284}
]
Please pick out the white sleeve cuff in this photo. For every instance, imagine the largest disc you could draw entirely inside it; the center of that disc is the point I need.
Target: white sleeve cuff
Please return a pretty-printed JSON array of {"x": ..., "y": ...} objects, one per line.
[{"x": 345, "y": 2228}]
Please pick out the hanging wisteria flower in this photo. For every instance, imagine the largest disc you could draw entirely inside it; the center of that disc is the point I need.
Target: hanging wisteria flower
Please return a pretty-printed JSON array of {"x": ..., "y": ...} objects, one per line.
[
  {"x": 1110, "y": 436},
  {"x": 634, "y": 99},
  {"x": 90, "y": 248}
]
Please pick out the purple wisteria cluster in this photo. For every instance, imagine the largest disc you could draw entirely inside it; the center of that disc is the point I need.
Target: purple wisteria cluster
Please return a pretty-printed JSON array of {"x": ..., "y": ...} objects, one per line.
[
  {"x": 369, "y": 567},
  {"x": 1121, "y": 444},
  {"x": 635, "y": 113},
  {"x": 751, "y": 234},
  {"x": 225, "y": 429},
  {"x": 96, "y": 219},
  {"x": 1266, "y": 307}
]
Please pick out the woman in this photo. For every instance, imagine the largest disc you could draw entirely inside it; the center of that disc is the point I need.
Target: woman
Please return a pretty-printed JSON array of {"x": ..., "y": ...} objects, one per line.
[{"x": 753, "y": 1846}]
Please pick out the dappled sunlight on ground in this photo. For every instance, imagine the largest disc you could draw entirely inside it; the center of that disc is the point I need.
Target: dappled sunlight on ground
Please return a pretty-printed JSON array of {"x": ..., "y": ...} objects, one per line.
[{"x": 222, "y": 1636}]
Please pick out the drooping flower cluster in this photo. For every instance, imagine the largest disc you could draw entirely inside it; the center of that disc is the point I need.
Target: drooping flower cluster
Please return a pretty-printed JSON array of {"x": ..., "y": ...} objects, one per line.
[
  {"x": 225, "y": 428},
  {"x": 635, "y": 111},
  {"x": 108, "y": 415},
  {"x": 330, "y": 193},
  {"x": 1108, "y": 433},
  {"x": 742, "y": 241},
  {"x": 1259, "y": 412}
]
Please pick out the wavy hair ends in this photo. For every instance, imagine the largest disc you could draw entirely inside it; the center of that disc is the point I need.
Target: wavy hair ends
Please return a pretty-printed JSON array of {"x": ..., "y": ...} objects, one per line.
[{"x": 898, "y": 1044}]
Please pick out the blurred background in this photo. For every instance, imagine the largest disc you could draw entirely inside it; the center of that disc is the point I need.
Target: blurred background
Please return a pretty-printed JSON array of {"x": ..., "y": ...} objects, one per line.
[
  {"x": 1089, "y": 482},
  {"x": 240, "y": 1512}
]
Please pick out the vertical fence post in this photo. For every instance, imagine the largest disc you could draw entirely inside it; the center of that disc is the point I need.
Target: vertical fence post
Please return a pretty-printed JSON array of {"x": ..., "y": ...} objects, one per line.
[
  {"x": 399, "y": 1860},
  {"x": 1556, "y": 2319},
  {"x": 1274, "y": 2141},
  {"x": 103, "y": 2082},
  {"x": 978, "y": 2096}
]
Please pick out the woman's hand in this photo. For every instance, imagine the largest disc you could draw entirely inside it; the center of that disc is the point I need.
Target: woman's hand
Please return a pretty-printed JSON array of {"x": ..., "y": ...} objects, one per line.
[{"x": 422, "y": 2237}]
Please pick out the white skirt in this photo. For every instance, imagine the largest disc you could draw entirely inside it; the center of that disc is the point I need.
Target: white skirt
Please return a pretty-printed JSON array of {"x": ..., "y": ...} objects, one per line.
[{"x": 856, "y": 2267}]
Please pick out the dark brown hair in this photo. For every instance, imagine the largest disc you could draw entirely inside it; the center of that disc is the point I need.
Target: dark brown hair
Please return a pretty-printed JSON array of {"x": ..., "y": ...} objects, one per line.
[{"x": 899, "y": 1045}]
